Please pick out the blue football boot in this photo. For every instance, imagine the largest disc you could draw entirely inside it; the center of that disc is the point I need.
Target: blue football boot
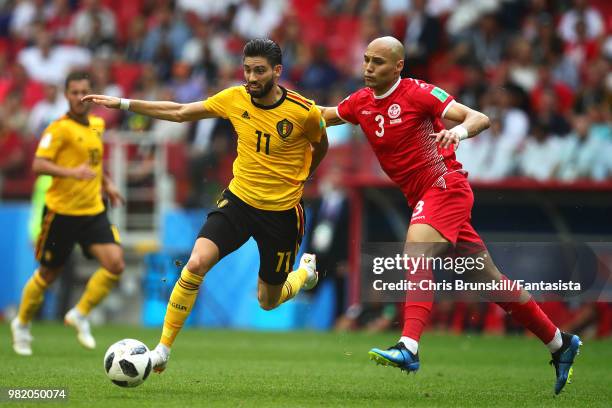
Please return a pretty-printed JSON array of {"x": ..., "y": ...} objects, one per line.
[
  {"x": 563, "y": 359},
  {"x": 396, "y": 356}
]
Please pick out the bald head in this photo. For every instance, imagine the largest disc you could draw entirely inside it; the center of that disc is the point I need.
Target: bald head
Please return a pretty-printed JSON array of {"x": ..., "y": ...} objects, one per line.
[
  {"x": 383, "y": 62},
  {"x": 388, "y": 47}
]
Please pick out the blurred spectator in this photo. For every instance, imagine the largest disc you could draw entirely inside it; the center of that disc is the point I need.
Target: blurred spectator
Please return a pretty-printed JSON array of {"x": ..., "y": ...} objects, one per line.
[
  {"x": 541, "y": 154},
  {"x": 395, "y": 7},
  {"x": 100, "y": 45},
  {"x": 164, "y": 42},
  {"x": 103, "y": 84},
  {"x": 582, "y": 153},
  {"x": 295, "y": 52},
  {"x": 134, "y": 49},
  {"x": 258, "y": 18},
  {"x": 473, "y": 87},
  {"x": 440, "y": 8},
  {"x": 467, "y": 13},
  {"x": 206, "y": 9},
  {"x": 16, "y": 115},
  {"x": 59, "y": 19},
  {"x": 547, "y": 82},
  {"x": 514, "y": 120},
  {"x": 49, "y": 109},
  {"x": 548, "y": 114},
  {"x": 583, "y": 49},
  {"x": 421, "y": 37},
  {"x": 486, "y": 157},
  {"x": 369, "y": 29},
  {"x": 25, "y": 14},
  {"x": 16, "y": 80},
  {"x": 329, "y": 232},
  {"x": 148, "y": 88},
  {"x": 186, "y": 86},
  {"x": 521, "y": 68},
  {"x": 94, "y": 23},
  {"x": 485, "y": 43},
  {"x": 12, "y": 155},
  {"x": 581, "y": 10},
  {"x": 206, "y": 51},
  {"x": 595, "y": 90},
  {"x": 49, "y": 63},
  {"x": 319, "y": 74}
]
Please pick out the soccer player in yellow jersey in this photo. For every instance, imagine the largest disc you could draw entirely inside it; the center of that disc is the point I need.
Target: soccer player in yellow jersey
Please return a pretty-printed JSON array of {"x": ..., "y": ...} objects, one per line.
[
  {"x": 281, "y": 140},
  {"x": 70, "y": 150}
]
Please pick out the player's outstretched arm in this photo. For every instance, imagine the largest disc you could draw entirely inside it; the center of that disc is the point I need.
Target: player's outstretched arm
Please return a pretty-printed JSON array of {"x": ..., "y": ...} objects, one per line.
[
  {"x": 319, "y": 150},
  {"x": 330, "y": 114},
  {"x": 166, "y": 110},
  {"x": 471, "y": 123}
]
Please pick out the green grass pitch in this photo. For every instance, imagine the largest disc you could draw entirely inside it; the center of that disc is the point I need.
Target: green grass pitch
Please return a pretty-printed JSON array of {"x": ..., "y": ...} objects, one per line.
[{"x": 307, "y": 369}]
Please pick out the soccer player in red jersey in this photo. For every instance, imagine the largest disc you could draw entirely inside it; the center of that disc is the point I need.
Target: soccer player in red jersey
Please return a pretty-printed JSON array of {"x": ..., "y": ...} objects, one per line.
[{"x": 401, "y": 119}]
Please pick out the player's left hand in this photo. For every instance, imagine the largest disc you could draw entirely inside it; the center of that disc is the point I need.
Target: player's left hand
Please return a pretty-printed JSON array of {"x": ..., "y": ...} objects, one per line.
[
  {"x": 446, "y": 138},
  {"x": 115, "y": 197}
]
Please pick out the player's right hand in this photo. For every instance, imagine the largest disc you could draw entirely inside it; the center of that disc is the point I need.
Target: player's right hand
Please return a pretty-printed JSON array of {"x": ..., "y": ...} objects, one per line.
[
  {"x": 107, "y": 101},
  {"x": 83, "y": 172}
]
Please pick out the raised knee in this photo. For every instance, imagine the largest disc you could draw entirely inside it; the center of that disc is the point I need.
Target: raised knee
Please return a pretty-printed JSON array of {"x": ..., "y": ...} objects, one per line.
[
  {"x": 198, "y": 265},
  {"x": 49, "y": 274},
  {"x": 266, "y": 305},
  {"x": 116, "y": 266}
]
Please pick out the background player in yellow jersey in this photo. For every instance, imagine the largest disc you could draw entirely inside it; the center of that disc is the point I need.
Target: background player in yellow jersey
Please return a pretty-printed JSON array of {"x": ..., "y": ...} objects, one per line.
[
  {"x": 281, "y": 140},
  {"x": 70, "y": 150}
]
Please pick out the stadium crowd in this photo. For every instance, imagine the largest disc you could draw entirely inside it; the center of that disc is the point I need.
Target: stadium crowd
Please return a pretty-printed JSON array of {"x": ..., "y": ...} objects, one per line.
[{"x": 539, "y": 68}]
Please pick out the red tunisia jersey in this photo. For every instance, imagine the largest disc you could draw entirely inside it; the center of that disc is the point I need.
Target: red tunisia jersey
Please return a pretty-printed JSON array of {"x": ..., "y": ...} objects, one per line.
[{"x": 398, "y": 126}]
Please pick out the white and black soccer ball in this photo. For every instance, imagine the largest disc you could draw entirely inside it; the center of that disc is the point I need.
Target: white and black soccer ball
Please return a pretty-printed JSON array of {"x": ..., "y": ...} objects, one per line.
[{"x": 127, "y": 363}]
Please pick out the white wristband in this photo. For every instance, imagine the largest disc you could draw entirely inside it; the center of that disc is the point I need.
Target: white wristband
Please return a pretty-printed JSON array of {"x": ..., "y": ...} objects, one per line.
[
  {"x": 461, "y": 131},
  {"x": 124, "y": 104}
]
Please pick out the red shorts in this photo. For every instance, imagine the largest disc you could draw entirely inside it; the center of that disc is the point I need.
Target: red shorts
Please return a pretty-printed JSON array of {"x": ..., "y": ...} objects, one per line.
[{"x": 447, "y": 207}]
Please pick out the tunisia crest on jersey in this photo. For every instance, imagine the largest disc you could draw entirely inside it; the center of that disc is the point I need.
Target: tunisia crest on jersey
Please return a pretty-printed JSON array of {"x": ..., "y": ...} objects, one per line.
[{"x": 394, "y": 111}]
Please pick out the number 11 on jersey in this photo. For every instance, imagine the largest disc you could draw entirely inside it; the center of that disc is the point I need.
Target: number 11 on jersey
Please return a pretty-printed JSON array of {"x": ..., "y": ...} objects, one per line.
[{"x": 259, "y": 134}]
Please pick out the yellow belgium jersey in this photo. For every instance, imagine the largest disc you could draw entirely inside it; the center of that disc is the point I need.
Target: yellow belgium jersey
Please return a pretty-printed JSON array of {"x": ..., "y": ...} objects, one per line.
[
  {"x": 68, "y": 143},
  {"x": 274, "y": 153}
]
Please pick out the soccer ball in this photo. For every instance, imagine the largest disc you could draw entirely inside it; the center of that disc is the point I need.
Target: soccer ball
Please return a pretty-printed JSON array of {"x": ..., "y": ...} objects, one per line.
[{"x": 127, "y": 363}]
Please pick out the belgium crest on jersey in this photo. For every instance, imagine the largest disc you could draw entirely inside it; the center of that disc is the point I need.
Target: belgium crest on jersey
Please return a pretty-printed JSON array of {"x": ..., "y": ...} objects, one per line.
[{"x": 284, "y": 128}]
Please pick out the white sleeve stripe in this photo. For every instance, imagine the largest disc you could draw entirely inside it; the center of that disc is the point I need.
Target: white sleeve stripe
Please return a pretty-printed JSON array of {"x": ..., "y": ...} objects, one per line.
[
  {"x": 338, "y": 114},
  {"x": 447, "y": 107}
]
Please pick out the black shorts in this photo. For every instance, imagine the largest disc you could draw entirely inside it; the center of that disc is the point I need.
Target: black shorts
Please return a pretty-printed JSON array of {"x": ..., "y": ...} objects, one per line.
[
  {"x": 278, "y": 234},
  {"x": 59, "y": 234}
]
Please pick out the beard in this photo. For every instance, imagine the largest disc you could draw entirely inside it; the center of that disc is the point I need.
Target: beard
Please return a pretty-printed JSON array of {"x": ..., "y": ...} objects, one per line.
[{"x": 265, "y": 89}]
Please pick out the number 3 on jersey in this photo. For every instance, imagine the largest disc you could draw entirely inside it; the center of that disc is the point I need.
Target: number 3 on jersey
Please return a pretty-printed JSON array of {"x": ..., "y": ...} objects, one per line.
[
  {"x": 380, "y": 119},
  {"x": 418, "y": 208}
]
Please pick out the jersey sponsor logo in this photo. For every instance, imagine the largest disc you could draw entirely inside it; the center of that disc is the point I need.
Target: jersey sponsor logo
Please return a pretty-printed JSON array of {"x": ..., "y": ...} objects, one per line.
[
  {"x": 394, "y": 111},
  {"x": 45, "y": 141},
  {"x": 440, "y": 94},
  {"x": 178, "y": 306},
  {"x": 394, "y": 121},
  {"x": 246, "y": 115},
  {"x": 366, "y": 112},
  {"x": 284, "y": 128}
]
